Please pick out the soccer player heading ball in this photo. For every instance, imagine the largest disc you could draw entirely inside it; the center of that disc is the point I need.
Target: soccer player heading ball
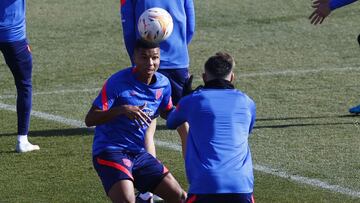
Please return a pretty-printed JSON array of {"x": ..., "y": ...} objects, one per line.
[{"x": 122, "y": 112}]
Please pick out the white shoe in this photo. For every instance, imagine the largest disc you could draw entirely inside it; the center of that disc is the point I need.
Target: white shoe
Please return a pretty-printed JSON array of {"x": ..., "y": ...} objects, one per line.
[
  {"x": 157, "y": 198},
  {"x": 26, "y": 147}
]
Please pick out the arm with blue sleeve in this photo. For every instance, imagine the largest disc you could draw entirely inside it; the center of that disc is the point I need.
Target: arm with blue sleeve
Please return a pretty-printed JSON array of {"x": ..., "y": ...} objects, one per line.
[
  {"x": 190, "y": 20},
  {"x": 166, "y": 106},
  {"x": 103, "y": 109},
  {"x": 128, "y": 21},
  {"x": 253, "y": 115},
  {"x": 178, "y": 116},
  {"x": 335, "y": 4}
]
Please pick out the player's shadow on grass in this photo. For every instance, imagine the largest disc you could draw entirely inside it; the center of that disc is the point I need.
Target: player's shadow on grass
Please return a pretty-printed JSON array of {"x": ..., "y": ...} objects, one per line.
[
  {"x": 305, "y": 118},
  {"x": 259, "y": 125},
  {"x": 316, "y": 123},
  {"x": 301, "y": 125},
  {"x": 56, "y": 132}
]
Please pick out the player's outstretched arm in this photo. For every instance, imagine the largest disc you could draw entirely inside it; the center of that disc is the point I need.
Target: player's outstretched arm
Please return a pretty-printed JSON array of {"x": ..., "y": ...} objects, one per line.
[
  {"x": 97, "y": 116},
  {"x": 323, "y": 9}
]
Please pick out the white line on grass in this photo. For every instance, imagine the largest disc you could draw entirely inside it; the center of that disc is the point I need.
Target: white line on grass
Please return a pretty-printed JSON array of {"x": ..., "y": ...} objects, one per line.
[
  {"x": 299, "y": 72},
  {"x": 54, "y": 92},
  {"x": 242, "y": 75},
  {"x": 47, "y": 116},
  {"x": 176, "y": 147}
]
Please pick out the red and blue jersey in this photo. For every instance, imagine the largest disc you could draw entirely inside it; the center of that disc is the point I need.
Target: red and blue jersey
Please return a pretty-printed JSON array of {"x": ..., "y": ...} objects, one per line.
[
  {"x": 12, "y": 20},
  {"x": 218, "y": 158},
  {"x": 123, "y": 88},
  {"x": 174, "y": 50}
]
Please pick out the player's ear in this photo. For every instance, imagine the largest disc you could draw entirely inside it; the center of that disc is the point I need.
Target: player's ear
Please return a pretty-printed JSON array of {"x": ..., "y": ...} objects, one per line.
[
  {"x": 232, "y": 77},
  {"x": 204, "y": 77},
  {"x": 134, "y": 56}
]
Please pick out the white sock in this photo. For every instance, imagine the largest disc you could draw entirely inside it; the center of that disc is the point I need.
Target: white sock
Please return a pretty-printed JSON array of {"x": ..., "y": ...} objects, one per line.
[
  {"x": 146, "y": 195},
  {"x": 22, "y": 138}
]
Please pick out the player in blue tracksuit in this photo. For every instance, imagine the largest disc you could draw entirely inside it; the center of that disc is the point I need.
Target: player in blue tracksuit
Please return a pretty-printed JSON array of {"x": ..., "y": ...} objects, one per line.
[
  {"x": 16, "y": 51},
  {"x": 323, "y": 8},
  {"x": 127, "y": 103},
  {"x": 174, "y": 62},
  {"x": 218, "y": 159}
]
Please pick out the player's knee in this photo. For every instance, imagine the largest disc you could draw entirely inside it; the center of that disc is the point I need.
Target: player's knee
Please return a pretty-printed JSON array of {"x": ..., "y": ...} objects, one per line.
[
  {"x": 23, "y": 85},
  {"x": 178, "y": 196},
  {"x": 125, "y": 198}
]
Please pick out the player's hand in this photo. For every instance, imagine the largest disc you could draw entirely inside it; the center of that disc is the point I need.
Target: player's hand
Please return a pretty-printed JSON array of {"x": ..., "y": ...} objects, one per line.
[
  {"x": 187, "y": 89},
  {"x": 322, "y": 10},
  {"x": 136, "y": 114}
]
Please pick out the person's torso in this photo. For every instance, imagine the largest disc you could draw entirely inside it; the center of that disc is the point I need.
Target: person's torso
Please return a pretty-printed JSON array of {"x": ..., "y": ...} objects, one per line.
[
  {"x": 218, "y": 153},
  {"x": 12, "y": 20},
  {"x": 121, "y": 132}
]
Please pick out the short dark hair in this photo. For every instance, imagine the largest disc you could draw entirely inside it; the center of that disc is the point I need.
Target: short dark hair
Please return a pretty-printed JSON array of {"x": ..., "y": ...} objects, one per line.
[
  {"x": 220, "y": 65},
  {"x": 143, "y": 44}
]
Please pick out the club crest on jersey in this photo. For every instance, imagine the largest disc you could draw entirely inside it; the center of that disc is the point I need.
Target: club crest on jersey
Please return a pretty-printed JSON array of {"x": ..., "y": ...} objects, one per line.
[
  {"x": 148, "y": 111},
  {"x": 126, "y": 162},
  {"x": 158, "y": 94}
]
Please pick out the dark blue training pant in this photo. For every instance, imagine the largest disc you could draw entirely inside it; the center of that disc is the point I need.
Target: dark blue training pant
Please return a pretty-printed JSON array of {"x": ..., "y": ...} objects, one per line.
[{"x": 19, "y": 59}]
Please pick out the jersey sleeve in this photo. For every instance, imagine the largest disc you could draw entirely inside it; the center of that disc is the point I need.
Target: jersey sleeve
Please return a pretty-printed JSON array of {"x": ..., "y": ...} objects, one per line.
[
  {"x": 335, "y": 4},
  {"x": 177, "y": 116},
  {"x": 166, "y": 103},
  {"x": 190, "y": 20},
  {"x": 106, "y": 97},
  {"x": 253, "y": 115},
  {"x": 128, "y": 21}
]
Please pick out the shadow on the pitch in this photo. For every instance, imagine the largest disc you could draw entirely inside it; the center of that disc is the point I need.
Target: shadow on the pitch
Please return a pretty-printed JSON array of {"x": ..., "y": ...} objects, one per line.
[
  {"x": 56, "y": 132},
  {"x": 301, "y": 125},
  {"x": 259, "y": 126},
  {"x": 8, "y": 152},
  {"x": 306, "y": 118}
]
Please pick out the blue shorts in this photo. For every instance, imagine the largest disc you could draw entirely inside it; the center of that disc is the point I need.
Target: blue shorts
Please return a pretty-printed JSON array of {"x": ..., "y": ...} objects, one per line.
[
  {"x": 215, "y": 198},
  {"x": 177, "y": 79},
  {"x": 142, "y": 168}
]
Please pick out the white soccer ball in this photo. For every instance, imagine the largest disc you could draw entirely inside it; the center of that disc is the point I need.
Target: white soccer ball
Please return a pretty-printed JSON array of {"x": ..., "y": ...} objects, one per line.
[{"x": 155, "y": 25}]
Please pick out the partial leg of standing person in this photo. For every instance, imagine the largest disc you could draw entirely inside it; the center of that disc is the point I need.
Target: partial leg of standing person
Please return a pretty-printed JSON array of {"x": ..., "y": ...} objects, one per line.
[{"x": 19, "y": 59}]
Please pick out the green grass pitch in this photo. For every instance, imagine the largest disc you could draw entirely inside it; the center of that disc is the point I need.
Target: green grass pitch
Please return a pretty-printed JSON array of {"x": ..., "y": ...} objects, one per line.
[{"x": 303, "y": 79}]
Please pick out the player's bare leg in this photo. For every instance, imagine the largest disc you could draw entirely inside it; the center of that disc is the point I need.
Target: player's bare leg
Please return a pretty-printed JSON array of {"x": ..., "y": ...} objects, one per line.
[
  {"x": 170, "y": 190},
  {"x": 122, "y": 191}
]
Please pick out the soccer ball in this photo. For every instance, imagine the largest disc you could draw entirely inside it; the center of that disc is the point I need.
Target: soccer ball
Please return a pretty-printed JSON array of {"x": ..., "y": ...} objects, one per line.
[{"x": 155, "y": 25}]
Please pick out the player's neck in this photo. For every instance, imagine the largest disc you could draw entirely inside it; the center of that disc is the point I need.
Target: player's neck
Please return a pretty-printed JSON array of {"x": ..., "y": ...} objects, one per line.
[{"x": 146, "y": 80}]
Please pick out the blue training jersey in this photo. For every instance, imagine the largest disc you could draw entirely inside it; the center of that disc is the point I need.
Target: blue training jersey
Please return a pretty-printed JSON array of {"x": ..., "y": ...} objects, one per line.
[
  {"x": 174, "y": 50},
  {"x": 218, "y": 158},
  {"x": 335, "y": 4},
  {"x": 123, "y": 88},
  {"x": 12, "y": 20}
]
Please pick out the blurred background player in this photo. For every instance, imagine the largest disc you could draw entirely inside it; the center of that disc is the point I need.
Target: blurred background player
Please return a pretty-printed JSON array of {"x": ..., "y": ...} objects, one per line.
[
  {"x": 121, "y": 113},
  {"x": 218, "y": 160},
  {"x": 174, "y": 62},
  {"x": 16, "y": 51},
  {"x": 323, "y": 8}
]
